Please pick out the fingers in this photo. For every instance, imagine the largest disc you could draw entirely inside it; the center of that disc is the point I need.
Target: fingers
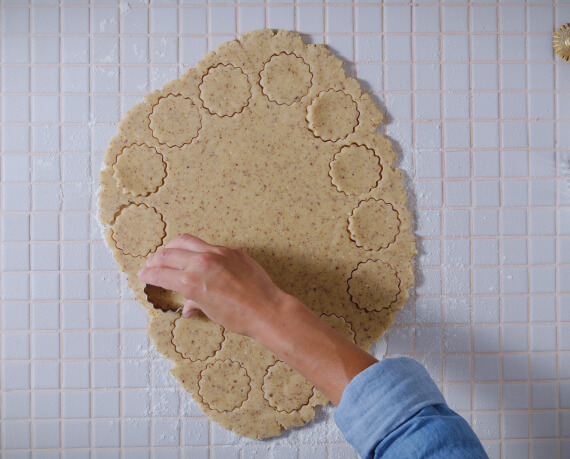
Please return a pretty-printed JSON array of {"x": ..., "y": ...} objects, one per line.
[
  {"x": 193, "y": 243},
  {"x": 168, "y": 278},
  {"x": 170, "y": 258},
  {"x": 191, "y": 308}
]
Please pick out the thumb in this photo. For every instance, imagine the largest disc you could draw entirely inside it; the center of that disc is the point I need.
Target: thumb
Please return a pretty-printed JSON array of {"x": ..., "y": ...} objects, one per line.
[{"x": 191, "y": 308}]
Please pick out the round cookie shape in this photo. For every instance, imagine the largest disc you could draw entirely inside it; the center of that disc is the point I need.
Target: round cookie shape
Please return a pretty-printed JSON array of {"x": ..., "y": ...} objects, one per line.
[
  {"x": 140, "y": 169},
  {"x": 351, "y": 180},
  {"x": 374, "y": 224},
  {"x": 374, "y": 285},
  {"x": 197, "y": 338},
  {"x": 333, "y": 115},
  {"x": 225, "y": 90},
  {"x": 175, "y": 121},
  {"x": 147, "y": 239},
  {"x": 286, "y": 78},
  {"x": 224, "y": 385},
  {"x": 285, "y": 389},
  {"x": 280, "y": 170}
]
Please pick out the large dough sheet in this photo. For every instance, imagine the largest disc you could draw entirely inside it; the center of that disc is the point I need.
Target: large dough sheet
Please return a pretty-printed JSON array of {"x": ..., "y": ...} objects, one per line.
[{"x": 266, "y": 145}]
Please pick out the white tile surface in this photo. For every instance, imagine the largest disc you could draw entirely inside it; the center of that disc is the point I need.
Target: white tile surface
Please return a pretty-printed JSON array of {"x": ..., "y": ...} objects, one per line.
[{"x": 479, "y": 109}]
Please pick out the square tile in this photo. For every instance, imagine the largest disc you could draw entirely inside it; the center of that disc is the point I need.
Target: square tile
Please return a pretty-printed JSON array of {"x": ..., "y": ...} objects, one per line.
[
  {"x": 456, "y": 135},
  {"x": 485, "y": 222},
  {"x": 397, "y": 77},
  {"x": 486, "y": 339},
  {"x": 455, "y": 48},
  {"x": 485, "y": 281},
  {"x": 458, "y": 194},
  {"x": 543, "y": 366},
  {"x": 368, "y": 19},
  {"x": 398, "y": 48},
  {"x": 514, "y": 222},
  {"x": 543, "y": 337},
  {"x": 515, "y": 338},
  {"x": 457, "y": 368},
  {"x": 46, "y": 375},
  {"x": 486, "y": 310},
  {"x": 75, "y": 19},
  {"x": 542, "y": 279},
  {"x": 454, "y": 18},
  {"x": 397, "y": 18},
  {"x": 485, "y": 134},
  {"x": 456, "y": 105},
  {"x": 15, "y": 50},
  {"x": 458, "y": 396},
  {"x": 16, "y": 109},
  {"x": 46, "y": 434},
  {"x": 457, "y": 164},
  {"x": 106, "y": 374},
  {"x": 76, "y": 404},
  {"x": 16, "y": 405},
  {"x": 15, "y": 257},
  {"x": 106, "y": 404},
  {"x": 428, "y": 193},
  {"x": 485, "y": 76},
  {"x": 484, "y": 48},
  {"x": 486, "y": 396},
  {"x": 543, "y": 396},
  {"x": 311, "y": 19},
  {"x": 483, "y": 19},
  {"x": 486, "y": 193},
  {"x": 46, "y": 405},
  {"x": 542, "y": 251},
  {"x": 76, "y": 345},
  {"x": 514, "y": 280},
  {"x": 427, "y": 77},
  {"x": 76, "y": 434},
  {"x": 106, "y": 434},
  {"x": 456, "y": 222},
  {"x": 514, "y": 309},
  {"x": 427, "y": 106},
  {"x": 515, "y": 193},
  {"x": 222, "y": 19},
  {"x": 45, "y": 346},
  {"x": 457, "y": 340},
  {"x": 515, "y": 425},
  {"x": 281, "y": 17}
]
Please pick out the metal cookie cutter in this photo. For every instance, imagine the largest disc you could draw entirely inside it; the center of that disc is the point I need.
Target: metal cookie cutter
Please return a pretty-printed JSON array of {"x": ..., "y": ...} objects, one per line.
[{"x": 561, "y": 41}]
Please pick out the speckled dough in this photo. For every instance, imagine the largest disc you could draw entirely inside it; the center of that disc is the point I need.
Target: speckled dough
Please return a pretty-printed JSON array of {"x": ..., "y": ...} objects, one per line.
[{"x": 265, "y": 145}]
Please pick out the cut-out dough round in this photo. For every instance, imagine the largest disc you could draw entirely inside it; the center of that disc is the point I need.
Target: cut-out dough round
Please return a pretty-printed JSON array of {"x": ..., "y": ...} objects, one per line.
[
  {"x": 374, "y": 285},
  {"x": 285, "y": 389},
  {"x": 254, "y": 172},
  {"x": 333, "y": 115},
  {"x": 175, "y": 121},
  {"x": 149, "y": 235},
  {"x": 355, "y": 180},
  {"x": 140, "y": 169},
  {"x": 340, "y": 325},
  {"x": 286, "y": 79},
  {"x": 225, "y": 90},
  {"x": 197, "y": 338},
  {"x": 224, "y": 385},
  {"x": 374, "y": 224}
]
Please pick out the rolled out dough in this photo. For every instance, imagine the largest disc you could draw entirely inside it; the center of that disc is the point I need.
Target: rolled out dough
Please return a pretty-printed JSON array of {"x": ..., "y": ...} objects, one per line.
[{"x": 266, "y": 145}]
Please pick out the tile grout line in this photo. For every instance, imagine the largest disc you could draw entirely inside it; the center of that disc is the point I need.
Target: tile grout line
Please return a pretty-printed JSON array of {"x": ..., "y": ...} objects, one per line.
[{"x": 527, "y": 212}]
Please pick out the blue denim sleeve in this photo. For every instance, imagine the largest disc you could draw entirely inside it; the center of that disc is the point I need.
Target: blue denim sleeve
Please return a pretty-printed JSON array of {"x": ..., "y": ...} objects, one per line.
[{"x": 393, "y": 409}]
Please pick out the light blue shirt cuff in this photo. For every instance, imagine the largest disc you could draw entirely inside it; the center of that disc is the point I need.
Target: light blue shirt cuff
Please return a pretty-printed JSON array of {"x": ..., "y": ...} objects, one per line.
[{"x": 381, "y": 398}]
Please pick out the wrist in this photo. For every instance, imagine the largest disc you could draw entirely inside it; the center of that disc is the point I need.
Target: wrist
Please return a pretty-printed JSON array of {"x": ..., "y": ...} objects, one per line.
[{"x": 282, "y": 313}]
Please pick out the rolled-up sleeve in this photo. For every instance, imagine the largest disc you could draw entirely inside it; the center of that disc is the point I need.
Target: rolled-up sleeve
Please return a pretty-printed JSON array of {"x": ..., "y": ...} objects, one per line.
[{"x": 394, "y": 409}]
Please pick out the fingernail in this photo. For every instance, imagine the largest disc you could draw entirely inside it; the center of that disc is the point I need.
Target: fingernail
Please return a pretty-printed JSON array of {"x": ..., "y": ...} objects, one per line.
[{"x": 140, "y": 272}]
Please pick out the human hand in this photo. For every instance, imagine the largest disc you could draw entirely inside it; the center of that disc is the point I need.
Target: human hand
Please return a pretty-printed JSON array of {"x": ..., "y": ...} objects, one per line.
[{"x": 225, "y": 284}]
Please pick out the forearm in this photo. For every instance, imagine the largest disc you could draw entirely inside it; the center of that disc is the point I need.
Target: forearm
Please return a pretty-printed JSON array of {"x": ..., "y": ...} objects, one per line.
[{"x": 317, "y": 351}]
